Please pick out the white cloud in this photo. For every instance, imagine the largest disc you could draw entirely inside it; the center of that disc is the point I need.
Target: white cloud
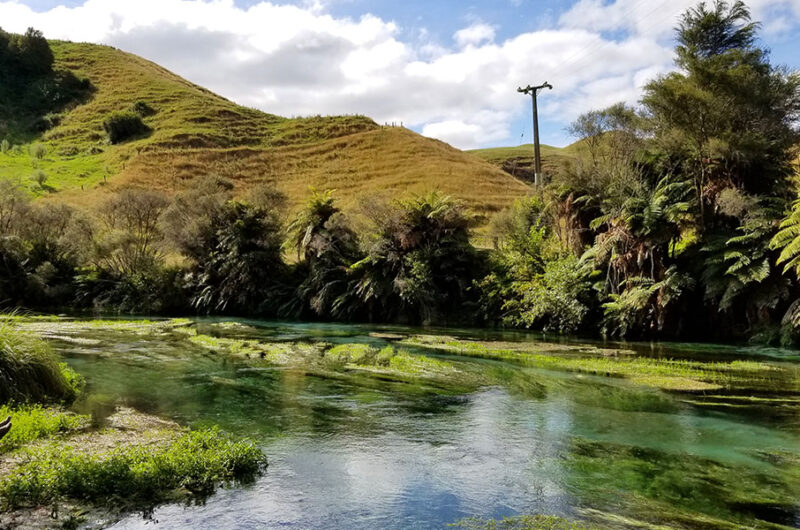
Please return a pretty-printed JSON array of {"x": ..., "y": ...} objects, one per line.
[
  {"x": 299, "y": 60},
  {"x": 474, "y": 35}
]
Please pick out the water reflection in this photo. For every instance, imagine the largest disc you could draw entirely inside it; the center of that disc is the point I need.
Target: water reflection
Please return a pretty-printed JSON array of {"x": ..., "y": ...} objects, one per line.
[{"x": 363, "y": 453}]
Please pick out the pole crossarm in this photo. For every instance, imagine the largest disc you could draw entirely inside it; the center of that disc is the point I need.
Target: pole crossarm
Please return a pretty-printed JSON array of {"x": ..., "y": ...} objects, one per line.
[
  {"x": 532, "y": 90},
  {"x": 537, "y": 156}
]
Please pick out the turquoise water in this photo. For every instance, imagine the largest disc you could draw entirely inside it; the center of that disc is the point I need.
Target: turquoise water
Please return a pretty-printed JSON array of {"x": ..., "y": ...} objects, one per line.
[{"x": 356, "y": 451}]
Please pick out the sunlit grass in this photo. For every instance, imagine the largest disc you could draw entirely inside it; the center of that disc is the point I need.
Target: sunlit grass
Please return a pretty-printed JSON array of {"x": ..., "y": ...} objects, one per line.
[
  {"x": 196, "y": 132},
  {"x": 33, "y": 422},
  {"x": 30, "y": 371},
  {"x": 196, "y": 463}
]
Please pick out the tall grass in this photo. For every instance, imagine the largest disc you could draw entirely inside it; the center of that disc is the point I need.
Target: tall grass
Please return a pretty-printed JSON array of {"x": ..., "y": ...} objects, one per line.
[{"x": 30, "y": 372}]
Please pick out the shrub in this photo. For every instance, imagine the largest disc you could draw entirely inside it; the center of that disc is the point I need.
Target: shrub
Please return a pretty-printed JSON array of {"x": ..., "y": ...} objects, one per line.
[
  {"x": 40, "y": 177},
  {"x": 38, "y": 151},
  {"x": 5, "y": 146},
  {"x": 143, "y": 109},
  {"x": 121, "y": 126}
]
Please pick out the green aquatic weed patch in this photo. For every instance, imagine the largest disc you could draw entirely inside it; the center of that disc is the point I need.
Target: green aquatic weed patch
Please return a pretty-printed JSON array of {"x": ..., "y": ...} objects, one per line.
[
  {"x": 522, "y": 522},
  {"x": 281, "y": 353},
  {"x": 195, "y": 463},
  {"x": 666, "y": 374},
  {"x": 47, "y": 327},
  {"x": 34, "y": 422},
  {"x": 389, "y": 359},
  {"x": 660, "y": 487}
]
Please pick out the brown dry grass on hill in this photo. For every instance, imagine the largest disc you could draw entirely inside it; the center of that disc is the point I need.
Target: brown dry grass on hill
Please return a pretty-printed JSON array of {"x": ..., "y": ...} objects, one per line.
[
  {"x": 196, "y": 132},
  {"x": 388, "y": 160}
]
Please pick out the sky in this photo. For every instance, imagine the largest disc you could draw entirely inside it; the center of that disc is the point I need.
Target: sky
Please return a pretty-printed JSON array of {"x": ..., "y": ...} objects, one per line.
[{"x": 448, "y": 69}]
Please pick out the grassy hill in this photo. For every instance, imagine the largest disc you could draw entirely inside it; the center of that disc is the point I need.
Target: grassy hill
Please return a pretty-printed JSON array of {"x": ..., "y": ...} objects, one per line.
[
  {"x": 518, "y": 161},
  {"x": 196, "y": 132}
]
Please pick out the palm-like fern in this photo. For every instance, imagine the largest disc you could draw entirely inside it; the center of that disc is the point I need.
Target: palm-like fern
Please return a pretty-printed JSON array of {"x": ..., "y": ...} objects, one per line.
[{"x": 787, "y": 240}]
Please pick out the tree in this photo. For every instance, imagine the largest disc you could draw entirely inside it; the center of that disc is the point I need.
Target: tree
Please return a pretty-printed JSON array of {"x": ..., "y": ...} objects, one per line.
[
  {"x": 234, "y": 245},
  {"x": 130, "y": 241},
  {"x": 328, "y": 247},
  {"x": 243, "y": 267},
  {"x": 419, "y": 264},
  {"x": 727, "y": 115}
]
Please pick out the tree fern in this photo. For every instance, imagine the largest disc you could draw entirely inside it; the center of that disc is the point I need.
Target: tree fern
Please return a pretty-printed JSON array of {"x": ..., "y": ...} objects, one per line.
[{"x": 787, "y": 240}]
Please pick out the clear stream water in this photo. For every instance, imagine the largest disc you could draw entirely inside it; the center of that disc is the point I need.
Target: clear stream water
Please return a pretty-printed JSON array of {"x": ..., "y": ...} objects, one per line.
[{"x": 361, "y": 452}]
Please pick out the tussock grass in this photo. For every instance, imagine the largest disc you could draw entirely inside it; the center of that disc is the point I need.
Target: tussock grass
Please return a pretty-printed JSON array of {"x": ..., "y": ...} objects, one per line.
[
  {"x": 30, "y": 372},
  {"x": 194, "y": 463}
]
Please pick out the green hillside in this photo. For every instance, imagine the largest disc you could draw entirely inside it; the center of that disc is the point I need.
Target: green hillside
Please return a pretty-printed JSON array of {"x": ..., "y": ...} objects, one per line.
[{"x": 196, "y": 132}]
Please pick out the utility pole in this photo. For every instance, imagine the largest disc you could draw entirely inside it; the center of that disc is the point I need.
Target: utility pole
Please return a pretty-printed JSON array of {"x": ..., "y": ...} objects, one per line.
[{"x": 537, "y": 155}]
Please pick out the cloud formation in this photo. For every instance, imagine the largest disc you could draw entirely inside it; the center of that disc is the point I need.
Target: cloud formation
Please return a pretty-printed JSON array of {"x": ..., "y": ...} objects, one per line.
[{"x": 300, "y": 60}]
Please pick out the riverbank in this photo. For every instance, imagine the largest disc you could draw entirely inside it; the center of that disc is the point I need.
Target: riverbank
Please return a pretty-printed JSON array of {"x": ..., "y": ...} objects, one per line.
[
  {"x": 396, "y": 427},
  {"x": 61, "y": 469}
]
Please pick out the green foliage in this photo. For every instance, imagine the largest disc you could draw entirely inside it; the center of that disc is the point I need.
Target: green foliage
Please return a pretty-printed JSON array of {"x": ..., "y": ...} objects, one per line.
[
  {"x": 33, "y": 92},
  {"x": 238, "y": 263},
  {"x": 196, "y": 463},
  {"x": 143, "y": 109},
  {"x": 29, "y": 371},
  {"x": 34, "y": 422},
  {"x": 787, "y": 240},
  {"x": 558, "y": 299},
  {"x": 124, "y": 125},
  {"x": 328, "y": 246},
  {"x": 419, "y": 264}
]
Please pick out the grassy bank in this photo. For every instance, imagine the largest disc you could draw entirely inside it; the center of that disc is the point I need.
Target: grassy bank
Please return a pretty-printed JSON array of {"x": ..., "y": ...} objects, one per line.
[
  {"x": 190, "y": 465},
  {"x": 135, "y": 461},
  {"x": 30, "y": 372},
  {"x": 34, "y": 422},
  {"x": 75, "y": 463}
]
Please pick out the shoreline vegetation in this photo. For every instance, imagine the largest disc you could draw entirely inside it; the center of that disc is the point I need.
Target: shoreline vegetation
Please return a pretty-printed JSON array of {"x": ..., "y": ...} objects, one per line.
[
  {"x": 651, "y": 228},
  {"x": 656, "y": 229},
  {"x": 622, "y": 379},
  {"x": 58, "y": 469}
]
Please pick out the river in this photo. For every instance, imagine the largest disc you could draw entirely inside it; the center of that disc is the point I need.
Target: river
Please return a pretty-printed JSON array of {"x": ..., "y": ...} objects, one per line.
[{"x": 358, "y": 451}]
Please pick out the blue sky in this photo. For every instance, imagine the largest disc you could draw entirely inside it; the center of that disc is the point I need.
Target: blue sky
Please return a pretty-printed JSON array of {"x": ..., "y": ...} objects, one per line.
[{"x": 448, "y": 69}]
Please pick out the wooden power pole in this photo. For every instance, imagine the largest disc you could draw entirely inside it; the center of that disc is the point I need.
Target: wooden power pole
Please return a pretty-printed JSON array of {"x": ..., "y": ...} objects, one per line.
[{"x": 537, "y": 155}]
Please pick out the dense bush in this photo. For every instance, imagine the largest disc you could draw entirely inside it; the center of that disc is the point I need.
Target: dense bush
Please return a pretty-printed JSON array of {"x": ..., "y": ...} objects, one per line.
[
  {"x": 32, "y": 93},
  {"x": 124, "y": 125}
]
